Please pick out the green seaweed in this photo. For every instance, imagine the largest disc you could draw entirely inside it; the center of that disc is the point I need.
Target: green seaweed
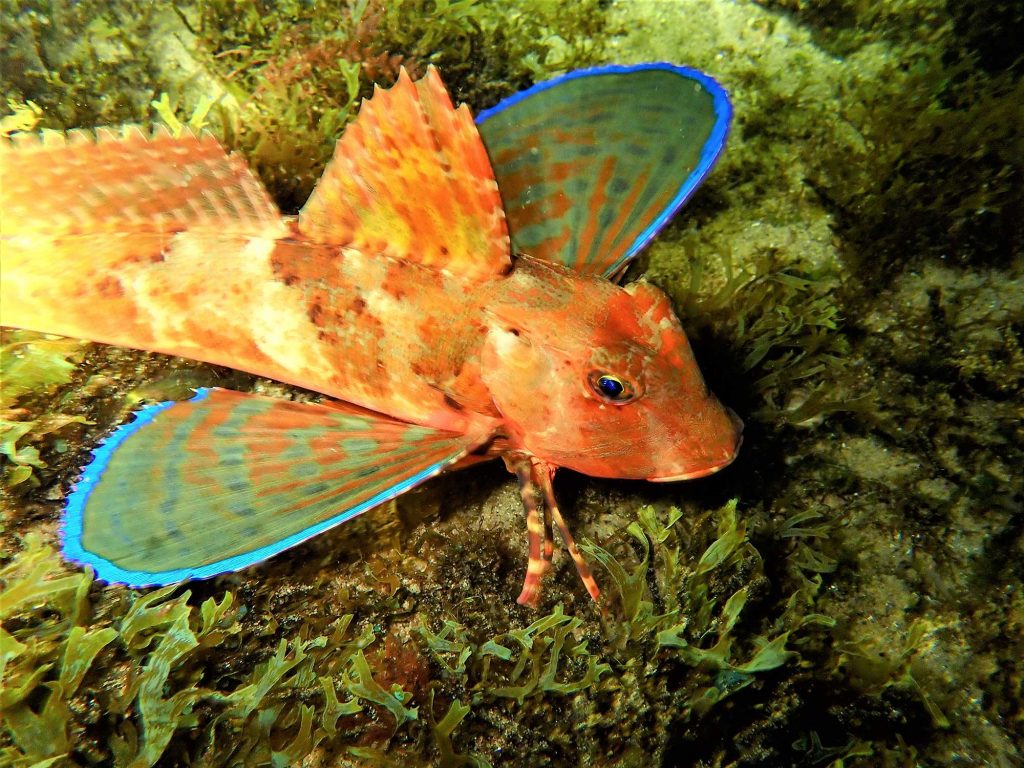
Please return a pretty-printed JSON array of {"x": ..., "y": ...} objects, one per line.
[
  {"x": 23, "y": 117},
  {"x": 288, "y": 704},
  {"x": 244, "y": 701},
  {"x": 39, "y": 730},
  {"x": 873, "y": 671},
  {"x": 850, "y": 277},
  {"x": 787, "y": 324},
  {"x": 694, "y": 632},
  {"x": 80, "y": 650},
  {"x": 521, "y": 662},
  {"x": 443, "y": 729},
  {"x": 196, "y": 123},
  {"x": 24, "y": 458},
  {"x": 450, "y": 647},
  {"x": 33, "y": 363},
  {"x": 334, "y": 709},
  {"x": 278, "y": 86},
  {"x": 49, "y": 655},
  {"x": 358, "y": 681},
  {"x": 536, "y": 670},
  {"x": 160, "y": 714},
  {"x": 31, "y": 366}
]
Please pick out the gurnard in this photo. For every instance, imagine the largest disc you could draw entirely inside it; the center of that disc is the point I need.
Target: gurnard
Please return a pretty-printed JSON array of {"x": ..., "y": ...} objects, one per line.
[{"x": 447, "y": 287}]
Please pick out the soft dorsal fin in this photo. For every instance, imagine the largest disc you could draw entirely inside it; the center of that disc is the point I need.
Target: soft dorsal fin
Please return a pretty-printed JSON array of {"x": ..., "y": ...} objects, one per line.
[
  {"x": 410, "y": 179},
  {"x": 127, "y": 181}
]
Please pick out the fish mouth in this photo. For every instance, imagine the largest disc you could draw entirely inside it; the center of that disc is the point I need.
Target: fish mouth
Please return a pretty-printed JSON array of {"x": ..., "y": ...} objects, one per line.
[{"x": 704, "y": 471}]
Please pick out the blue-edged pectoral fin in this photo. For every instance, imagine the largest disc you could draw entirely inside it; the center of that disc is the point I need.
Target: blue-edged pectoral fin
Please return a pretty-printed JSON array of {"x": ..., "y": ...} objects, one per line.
[
  {"x": 216, "y": 483},
  {"x": 591, "y": 165}
]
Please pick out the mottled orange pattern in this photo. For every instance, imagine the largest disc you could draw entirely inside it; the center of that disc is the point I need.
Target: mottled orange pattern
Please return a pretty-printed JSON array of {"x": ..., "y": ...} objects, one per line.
[{"x": 394, "y": 290}]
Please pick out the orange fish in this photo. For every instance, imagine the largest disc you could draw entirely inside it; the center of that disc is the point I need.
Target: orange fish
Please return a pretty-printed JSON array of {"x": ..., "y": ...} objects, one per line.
[{"x": 445, "y": 284}]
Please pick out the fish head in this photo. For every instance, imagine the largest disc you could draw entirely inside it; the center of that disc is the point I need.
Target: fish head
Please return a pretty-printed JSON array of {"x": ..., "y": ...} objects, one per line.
[{"x": 609, "y": 387}]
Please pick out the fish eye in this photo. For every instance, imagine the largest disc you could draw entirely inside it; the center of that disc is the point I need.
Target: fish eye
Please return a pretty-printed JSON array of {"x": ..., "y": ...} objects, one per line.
[{"x": 612, "y": 388}]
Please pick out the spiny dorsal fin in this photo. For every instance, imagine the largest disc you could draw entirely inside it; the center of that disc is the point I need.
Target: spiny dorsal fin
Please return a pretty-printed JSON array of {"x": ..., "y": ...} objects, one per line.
[{"x": 411, "y": 179}]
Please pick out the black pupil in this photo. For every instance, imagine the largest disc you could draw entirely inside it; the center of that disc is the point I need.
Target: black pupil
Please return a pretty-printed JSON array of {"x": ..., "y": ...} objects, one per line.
[{"x": 610, "y": 387}]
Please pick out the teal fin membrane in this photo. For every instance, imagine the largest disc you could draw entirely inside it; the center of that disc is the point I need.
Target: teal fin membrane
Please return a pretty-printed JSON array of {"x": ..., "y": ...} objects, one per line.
[
  {"x": 591, "y": 165},
  {"x": 193, "y": 489}
]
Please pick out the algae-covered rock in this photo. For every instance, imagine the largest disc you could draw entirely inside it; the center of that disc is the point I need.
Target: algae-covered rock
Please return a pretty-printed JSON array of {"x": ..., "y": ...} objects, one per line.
[{"x": 850, "y": 592}]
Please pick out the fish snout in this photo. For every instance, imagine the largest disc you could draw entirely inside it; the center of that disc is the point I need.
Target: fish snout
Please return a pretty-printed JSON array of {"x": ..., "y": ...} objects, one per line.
[
  {"x": 737, "y": 423},
  {"x": 715, "y": 453}
]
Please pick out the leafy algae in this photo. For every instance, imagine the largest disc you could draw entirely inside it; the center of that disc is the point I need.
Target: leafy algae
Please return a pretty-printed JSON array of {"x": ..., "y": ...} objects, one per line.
[{"x": 851, "y": 277}]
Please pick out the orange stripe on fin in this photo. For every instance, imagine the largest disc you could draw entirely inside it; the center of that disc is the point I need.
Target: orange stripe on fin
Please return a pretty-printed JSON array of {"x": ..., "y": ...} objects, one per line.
[{"x": 411, "y": 179}]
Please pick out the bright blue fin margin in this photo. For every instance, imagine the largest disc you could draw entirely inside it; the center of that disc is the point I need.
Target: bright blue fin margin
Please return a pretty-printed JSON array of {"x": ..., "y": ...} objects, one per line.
[
  {"x": 510, "y": 148},
  {"x": 331, "y": 463}
]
